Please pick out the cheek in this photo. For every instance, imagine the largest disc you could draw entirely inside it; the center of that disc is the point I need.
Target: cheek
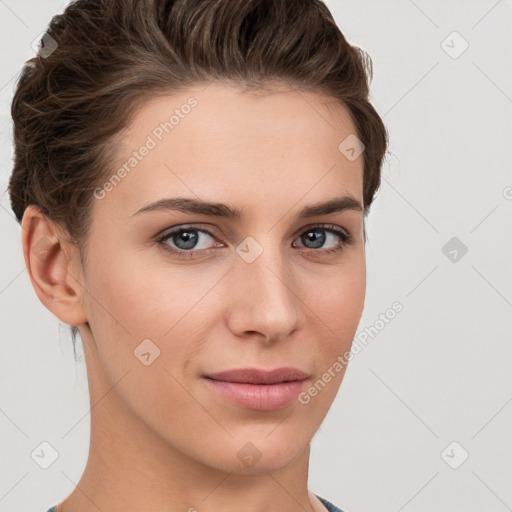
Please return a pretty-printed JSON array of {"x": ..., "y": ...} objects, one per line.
[
  {"x": 138, "y": 300},
  {"x": 139, "y": 308},
  {"x": 134, "y": 297},
  {"x": 338, "y": 293},
  {"x": 336, "y": 302}
]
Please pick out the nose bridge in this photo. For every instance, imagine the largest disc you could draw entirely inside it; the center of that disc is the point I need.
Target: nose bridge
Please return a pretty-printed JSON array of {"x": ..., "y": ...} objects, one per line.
[{"x": 265, "y": 300}]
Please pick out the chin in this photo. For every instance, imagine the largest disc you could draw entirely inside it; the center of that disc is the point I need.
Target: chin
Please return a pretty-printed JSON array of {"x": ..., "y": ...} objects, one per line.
[{"x": 251, "y": 455}]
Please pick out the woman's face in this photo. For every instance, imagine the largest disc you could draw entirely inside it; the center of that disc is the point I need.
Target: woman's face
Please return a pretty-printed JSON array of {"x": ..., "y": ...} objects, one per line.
[{"x": 267, "y": 289}]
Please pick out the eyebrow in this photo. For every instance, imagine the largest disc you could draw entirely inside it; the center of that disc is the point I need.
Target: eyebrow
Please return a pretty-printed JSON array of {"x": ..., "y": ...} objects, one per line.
[{"x": 190, "y": 205}]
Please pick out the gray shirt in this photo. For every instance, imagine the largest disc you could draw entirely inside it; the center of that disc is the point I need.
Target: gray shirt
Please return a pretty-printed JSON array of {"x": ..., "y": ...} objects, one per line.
[{"x": 330, "y": 507}]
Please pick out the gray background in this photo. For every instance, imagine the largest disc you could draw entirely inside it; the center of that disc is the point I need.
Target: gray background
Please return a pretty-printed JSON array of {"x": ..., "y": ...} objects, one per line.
[{"x": 439, "y": 372}]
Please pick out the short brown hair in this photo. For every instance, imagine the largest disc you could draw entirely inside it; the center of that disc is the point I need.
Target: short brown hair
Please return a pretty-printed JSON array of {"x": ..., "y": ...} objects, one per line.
[{"x": 109, "y": 56}]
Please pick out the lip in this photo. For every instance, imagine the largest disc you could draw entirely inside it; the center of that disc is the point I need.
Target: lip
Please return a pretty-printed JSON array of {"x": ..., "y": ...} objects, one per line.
[{"x": 257, "y": 389}]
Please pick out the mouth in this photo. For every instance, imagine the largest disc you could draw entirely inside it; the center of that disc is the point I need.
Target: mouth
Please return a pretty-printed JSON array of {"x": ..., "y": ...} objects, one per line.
[{"x": 262, "y": 390}]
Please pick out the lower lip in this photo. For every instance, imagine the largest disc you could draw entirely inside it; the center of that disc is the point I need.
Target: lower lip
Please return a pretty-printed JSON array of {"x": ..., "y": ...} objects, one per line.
[{"x": 260, "y": 397}]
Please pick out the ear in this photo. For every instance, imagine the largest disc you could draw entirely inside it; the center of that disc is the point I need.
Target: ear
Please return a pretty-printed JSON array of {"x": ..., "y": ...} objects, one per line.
[{"x": 54, "y": 267}]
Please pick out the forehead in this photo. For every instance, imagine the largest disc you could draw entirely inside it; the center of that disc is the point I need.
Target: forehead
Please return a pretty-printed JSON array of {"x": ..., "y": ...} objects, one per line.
[
  {"x": 220, "y": 112},
  {"x": 218, "y": 141}
]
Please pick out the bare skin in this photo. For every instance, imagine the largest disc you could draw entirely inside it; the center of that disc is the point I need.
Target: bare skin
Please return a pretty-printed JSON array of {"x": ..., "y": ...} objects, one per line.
[{"x": 161, "y": 439}]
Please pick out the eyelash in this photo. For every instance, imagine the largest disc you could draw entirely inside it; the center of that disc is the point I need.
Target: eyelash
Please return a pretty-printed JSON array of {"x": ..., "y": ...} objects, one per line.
[{"x": 344, "y": 236}]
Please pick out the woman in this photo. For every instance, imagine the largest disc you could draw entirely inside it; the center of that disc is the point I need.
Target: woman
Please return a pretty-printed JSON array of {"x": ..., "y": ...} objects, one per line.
[{"x": 192, "y": 180}]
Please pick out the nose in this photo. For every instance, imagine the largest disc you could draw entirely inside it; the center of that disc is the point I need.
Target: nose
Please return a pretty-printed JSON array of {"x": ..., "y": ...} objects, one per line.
[{"x": 263, "y": 298}]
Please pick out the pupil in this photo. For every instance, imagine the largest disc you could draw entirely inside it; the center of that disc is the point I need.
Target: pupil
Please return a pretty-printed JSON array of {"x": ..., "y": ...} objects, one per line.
[
  {"x": 185, "y": 239},
  {"x": 315, "y": 236}
]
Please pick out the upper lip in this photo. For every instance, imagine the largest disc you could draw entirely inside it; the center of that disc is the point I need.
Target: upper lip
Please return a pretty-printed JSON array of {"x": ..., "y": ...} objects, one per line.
[{"x": 259, "y": 376}]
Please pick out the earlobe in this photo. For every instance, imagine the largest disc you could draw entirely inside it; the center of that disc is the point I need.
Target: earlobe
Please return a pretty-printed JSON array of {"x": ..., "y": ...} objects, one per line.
[{"x": 50, "y": 265}]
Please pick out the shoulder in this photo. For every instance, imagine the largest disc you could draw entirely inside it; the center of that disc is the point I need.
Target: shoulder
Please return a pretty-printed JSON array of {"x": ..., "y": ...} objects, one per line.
[{"x": 330, "y": 506}]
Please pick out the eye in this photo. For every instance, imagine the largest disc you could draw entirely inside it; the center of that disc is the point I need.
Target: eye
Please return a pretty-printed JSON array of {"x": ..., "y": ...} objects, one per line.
[
  {"x": 185, "y": 239},
  {"x": 190, "y": 242},
  {"x": 317, "y": 236}
]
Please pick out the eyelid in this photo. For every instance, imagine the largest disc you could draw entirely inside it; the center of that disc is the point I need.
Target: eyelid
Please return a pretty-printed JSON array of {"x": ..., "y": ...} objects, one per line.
[
  {"x": 209, "y": 229},
  {"x": 327, "y": 226}
]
